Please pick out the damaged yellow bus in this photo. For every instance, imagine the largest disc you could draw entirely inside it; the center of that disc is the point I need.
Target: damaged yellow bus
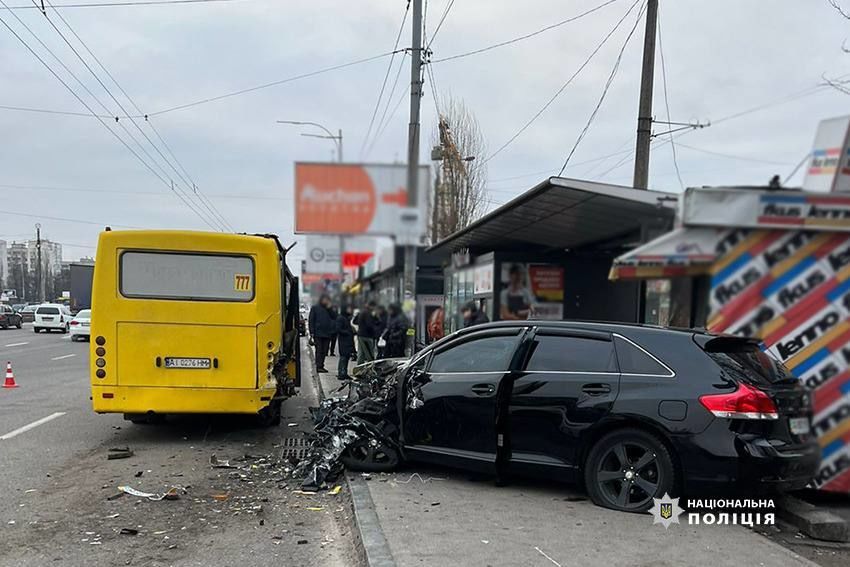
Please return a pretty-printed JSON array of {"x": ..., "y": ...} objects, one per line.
[{"x": 192, "y": 322}]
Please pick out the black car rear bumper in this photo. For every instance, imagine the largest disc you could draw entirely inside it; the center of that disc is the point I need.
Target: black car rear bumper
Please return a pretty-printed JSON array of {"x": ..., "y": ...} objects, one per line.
[{"x": 726, "y": 457}]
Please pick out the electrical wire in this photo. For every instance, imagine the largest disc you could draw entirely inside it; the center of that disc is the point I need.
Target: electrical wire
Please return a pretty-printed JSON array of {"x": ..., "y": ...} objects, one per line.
[
  {"x": 275, "y": 83},
  {"x": 667, "y": 104},
  {"x": 604, "y": 91},
  {"x": 384, "y": 82},
  {"x": 563, "y": 86},
  {"x": 74, "y": 93},
  {"x": 121, "y": 4},
  {"x": 796, "y": 168},
  {"x": 126, "y": 192},
  {"x": 50, "y": 111},
  {"x": 393, "y": 113},
  {"x": 526, "y": 36},
  {"x": 440, "y": 24},
  {"x": 381, "y": 126},
  {"x": 65, "y": 219},
  {"x": 184, "y": 195},
  {"x": 731, "y": 156}
]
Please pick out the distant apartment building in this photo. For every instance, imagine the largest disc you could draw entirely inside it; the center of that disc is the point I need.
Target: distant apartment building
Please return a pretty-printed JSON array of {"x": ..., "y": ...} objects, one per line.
[{"x": 18, "y": 268}]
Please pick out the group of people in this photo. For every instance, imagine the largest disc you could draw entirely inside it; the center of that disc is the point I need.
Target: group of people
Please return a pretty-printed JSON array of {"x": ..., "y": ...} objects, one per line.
[{"x": 366, "y": 334}]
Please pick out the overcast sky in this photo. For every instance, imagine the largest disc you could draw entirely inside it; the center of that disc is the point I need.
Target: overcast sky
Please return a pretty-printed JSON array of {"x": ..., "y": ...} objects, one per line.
[{"x": 722, "y": 57}]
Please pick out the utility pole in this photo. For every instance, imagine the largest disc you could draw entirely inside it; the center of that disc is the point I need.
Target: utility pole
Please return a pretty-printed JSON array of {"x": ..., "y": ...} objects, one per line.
[
  {"x": 413, "y": 146},
  {"x": 39, "y": 275},
  {"x": 644, "y": 128}
]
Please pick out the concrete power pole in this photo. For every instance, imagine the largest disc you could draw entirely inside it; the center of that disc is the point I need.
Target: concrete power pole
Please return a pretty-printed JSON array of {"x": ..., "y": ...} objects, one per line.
[
  {"x": 413, "y": 145},
  {"x": 644, "y": 128},
  {"x": 39, "y": 274}
]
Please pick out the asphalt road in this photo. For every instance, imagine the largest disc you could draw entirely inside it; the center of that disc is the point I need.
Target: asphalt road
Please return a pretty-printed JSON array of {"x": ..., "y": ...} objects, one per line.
[{"x": 58, "y": 490}]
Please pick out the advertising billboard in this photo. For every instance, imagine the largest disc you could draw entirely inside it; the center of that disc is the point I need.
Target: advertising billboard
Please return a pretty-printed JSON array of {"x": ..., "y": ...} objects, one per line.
[
  {"x": 531, "y": 291},
  {"x": 791, "y": 289},
  {"x": 829, "y": 162},
  {"x": 368, "y": 199}
]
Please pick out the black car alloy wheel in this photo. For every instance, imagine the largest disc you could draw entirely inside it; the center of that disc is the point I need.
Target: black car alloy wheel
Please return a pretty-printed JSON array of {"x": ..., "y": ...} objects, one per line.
[
  {"x": 371, "y": 455},
  {"x": 627, "y": 469}
]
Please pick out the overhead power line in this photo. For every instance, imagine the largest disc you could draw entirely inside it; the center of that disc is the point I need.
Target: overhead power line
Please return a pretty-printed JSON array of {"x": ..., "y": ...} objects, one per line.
[
  {"x": 525, "y": 36},
  {"x": 604, "y": 90},
  {"x": 386, "y": 78},
  {"x": 64, "y": 219},
  {"x": 275, "y": 83},
  {"x": 127, "y": 192},
  {"x": 667, "y": 105},
  {"x": 165, "y": 175},
  {"x": 565, "y": 85},
  {"x": 122, "y": 4},
  {"x": 214, "y": 213},
  {"x": 73, "y": 92},
  {"x": 440, "y": 23}
]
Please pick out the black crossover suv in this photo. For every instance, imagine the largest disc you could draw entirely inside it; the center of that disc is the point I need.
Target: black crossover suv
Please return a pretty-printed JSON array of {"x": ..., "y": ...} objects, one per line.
[{"x": 632, "y": 411}]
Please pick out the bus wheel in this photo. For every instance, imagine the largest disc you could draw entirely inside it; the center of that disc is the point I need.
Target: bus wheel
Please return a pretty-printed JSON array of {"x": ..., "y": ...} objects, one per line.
[{"x": 269, "y": 416}]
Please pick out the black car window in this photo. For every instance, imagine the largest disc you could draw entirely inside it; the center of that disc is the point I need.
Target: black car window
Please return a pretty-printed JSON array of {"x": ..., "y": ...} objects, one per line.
[
  {"x": 744, "y": 360},
  {"x": 635, "y": 360},
  {"x": 562, "y": 353},
  {"x": 485, "y": 354}
]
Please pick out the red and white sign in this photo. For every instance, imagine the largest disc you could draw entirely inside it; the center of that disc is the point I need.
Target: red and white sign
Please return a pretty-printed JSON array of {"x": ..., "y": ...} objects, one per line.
[{"x": 341, "y": 198}]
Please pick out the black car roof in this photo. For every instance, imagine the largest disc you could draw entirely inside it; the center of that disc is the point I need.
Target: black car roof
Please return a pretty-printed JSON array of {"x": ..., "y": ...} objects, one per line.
[{"x": 621, "y": 327}]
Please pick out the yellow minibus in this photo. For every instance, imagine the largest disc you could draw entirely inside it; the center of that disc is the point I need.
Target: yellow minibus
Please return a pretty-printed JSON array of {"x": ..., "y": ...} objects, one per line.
[{"x": 192, "y": 322}]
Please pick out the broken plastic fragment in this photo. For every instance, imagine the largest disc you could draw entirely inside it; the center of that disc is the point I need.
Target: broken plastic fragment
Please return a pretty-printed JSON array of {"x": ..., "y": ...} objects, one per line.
[{"x": 171, "y": 494}]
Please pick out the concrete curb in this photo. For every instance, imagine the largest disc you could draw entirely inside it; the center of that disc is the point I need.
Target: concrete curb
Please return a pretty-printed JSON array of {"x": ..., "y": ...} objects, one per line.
[
  {"x": 374, "y": 544},
  {"x": 812, "y": 521}
]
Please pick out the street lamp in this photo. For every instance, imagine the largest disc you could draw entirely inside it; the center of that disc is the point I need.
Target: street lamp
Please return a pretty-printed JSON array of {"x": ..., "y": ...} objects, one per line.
[{"x": 337, "y": 139}]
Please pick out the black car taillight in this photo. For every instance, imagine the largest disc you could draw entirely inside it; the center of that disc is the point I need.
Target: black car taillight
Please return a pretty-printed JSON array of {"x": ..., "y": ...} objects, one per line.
[{"x": 747, "y": 402}]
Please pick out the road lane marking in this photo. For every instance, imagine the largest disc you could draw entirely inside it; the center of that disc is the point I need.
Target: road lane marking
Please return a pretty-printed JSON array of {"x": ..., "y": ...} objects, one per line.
[
  {"x": 64, "y": 356},
  {"x": 18, "y": 344},
  {"x": 32, "y": 425}
]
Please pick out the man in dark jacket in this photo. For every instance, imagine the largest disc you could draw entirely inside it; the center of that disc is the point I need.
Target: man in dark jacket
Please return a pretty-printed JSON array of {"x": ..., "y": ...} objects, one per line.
[
  {"x": 322, "y": 328},
  {"x": 345, "y": 341},
  {"x": 368, "y": 331},
  {"x": 472, "y": 315},
  {"x": 396, "y": 333}
]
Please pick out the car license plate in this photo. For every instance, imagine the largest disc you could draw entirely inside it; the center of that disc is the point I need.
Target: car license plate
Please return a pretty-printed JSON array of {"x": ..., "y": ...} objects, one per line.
[
  {"x": 47, "y": 318},
  {"x": 201, "y": 363},
  {"x": 86, "y": 324},
  {"x": 799, "y": 425}
]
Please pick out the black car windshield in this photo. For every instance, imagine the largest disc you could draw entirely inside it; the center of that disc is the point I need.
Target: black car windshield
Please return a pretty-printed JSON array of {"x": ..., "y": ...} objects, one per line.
[{"x": 744, "y": 360}]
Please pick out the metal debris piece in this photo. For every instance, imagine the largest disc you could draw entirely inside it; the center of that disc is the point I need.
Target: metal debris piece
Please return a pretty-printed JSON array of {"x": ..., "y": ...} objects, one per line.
[
  {"x": 172, "y": 493},
  {"x": 129, "y": 531},
  {"x": 217, "y": 463},
  {"x": 119, "y": 453}
]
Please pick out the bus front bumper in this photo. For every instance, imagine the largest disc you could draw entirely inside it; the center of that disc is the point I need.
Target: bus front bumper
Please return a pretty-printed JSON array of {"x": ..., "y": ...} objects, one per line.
[{"x": 142, "y": 399}]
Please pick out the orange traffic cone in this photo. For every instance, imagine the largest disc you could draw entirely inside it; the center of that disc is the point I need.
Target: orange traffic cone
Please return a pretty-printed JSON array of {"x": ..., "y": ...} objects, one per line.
[{"x": 10, "y": 377}]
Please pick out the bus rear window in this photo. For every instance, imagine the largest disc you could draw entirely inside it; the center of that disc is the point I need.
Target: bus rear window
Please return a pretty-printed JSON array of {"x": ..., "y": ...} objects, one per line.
[{"x": 199, "y": 277}]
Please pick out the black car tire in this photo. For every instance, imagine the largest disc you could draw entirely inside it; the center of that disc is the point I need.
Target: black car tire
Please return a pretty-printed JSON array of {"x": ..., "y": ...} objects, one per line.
[
  {"x": 36, "y": 330},
  {"x": 19, "y": 324},
  {"x": 371, "y": 455},
  {"x": 630, "y": 487}
]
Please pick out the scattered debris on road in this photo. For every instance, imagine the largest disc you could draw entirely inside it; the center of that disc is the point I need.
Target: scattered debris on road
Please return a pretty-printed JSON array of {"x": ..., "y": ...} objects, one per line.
[
  {"x": 172, "y": 493},
  {"x": 119, "y": 453}
]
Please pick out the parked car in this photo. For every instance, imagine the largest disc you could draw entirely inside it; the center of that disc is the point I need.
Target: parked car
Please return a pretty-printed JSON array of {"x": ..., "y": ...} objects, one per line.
[
  {"x": 8, "y": 317},
  {"x": 28, "y": 313},
  {"x": 50, "y": 316},
  {"x": 632, "y": 412},
  {"x": 81, "y": 326},
  {"x": 18, "y": 307}
]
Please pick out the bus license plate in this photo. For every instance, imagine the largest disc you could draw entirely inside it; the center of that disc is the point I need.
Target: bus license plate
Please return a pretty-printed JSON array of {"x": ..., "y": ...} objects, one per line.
[
  {"x": 201, "y": 363},
  {"x": 799, "y": 425}
]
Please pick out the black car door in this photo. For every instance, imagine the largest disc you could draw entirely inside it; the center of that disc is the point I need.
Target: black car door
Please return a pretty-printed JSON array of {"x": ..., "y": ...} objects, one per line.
[
  {"x": 569, "y": 383},
  {"x": 452, "y": 419}
]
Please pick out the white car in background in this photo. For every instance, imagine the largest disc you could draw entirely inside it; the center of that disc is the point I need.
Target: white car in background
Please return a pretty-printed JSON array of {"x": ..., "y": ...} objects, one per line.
[
  {"x": 52, "y": 316},
  {"x": 81, "y": 325}
]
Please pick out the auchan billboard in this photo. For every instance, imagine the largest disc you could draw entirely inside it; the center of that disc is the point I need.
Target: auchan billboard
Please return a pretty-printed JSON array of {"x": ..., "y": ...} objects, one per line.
[{"x": 344, "y": 198}]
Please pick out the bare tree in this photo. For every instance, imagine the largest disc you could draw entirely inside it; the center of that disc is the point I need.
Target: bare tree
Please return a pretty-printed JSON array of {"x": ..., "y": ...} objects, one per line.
[
  {"x": 461, "y": 176},
  {"x": 842, "y": 85},
  {"x": 841, "y": 10}
]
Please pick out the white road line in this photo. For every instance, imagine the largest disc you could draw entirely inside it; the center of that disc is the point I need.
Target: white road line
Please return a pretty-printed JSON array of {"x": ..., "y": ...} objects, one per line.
[
  {"x": 18, "y": 344},
  {"x": 32, "y": 425},
  {"x": 64, "y": 356}
]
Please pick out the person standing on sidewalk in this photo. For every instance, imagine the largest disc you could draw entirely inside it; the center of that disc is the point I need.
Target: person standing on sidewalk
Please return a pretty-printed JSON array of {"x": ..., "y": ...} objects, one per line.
[
  {"x": 396, "y": 333},
  {"x": 322, "y": 328},
  {"x": 332, "y": 347},
  {"x": 368, "y": 331},
  {"x": 345, "y": 337}
]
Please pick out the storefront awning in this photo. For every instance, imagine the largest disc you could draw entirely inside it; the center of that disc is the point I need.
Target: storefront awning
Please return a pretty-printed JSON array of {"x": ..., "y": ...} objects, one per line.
[{"x": 682, "y": 252}]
